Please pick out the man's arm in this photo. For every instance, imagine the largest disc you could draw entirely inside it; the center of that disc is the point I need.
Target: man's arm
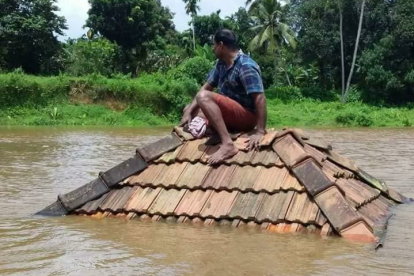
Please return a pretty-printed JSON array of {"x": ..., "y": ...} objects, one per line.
[
  {"x": 261, "y": 109},
  {"x": 253, "y": 84},
  {"x": 189, "y": 109}
]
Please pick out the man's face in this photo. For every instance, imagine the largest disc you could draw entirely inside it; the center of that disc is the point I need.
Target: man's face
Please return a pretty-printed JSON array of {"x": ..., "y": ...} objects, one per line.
[{"x": 218, "y": 49}]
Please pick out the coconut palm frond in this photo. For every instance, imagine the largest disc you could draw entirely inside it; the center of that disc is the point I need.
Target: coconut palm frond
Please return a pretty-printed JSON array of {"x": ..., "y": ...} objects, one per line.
[
  {"x": 266, "y": 34},
  {"x": 256, "y": 29},
  {"x": 253, "y": 6},
  {"x": 287, "y": 35},
  {"x": 254, "y": 44}
]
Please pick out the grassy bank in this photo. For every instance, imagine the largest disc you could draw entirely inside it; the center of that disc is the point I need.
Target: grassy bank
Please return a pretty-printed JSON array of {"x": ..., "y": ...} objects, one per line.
[
  {"x": 158, "y": 100},
  {"x": 300, "y": 114}
]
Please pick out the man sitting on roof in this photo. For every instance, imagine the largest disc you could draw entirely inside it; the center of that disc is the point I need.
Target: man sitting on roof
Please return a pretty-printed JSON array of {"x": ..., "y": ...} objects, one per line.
[{"x": 239, "y": 105}]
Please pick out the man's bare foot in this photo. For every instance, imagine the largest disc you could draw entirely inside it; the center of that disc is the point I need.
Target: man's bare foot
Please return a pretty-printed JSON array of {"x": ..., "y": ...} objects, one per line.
[{"x": 226, "y": 151}]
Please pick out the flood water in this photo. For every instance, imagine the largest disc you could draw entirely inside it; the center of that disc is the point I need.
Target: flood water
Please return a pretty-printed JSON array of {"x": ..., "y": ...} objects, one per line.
[{"x": 36, "y": 164}]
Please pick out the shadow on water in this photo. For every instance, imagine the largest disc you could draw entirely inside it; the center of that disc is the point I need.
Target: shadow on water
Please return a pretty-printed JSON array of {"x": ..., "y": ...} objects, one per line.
[{"x": 36, "y": 164}]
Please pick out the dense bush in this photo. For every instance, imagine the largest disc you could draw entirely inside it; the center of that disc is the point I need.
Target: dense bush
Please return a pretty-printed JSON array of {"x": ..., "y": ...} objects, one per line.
[
  {"x": 154, "y": 99},
  {"x": 318, "y": 93},
  {"x": 17, "y": 89},
  {"x": 284, "y": 93},
  {"x": 196, "y": 68},
  {"x": 153, "y": 92},
  {"x": 97, "y": 56},
  {"x": 354, "y": 119}
]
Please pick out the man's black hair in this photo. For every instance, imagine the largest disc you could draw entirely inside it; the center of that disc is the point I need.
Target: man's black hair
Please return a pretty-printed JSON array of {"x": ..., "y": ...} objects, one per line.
[{"x": 228, "y": 37}]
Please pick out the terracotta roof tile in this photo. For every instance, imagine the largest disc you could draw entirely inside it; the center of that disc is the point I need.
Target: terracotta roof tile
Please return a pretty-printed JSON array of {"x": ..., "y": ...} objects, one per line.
[
  {"x": 351, "y": 192},
  {"x": 291, "y": 183},
  {"x": 241, "y": 158},
  {"x": 192, "y": 151},
  {"x": 193, "y": 175},
  {"x": 148, "y": 176},
  {"x": 208, "y": 152},
  {"x": 315, "y": 153},
  {"x": 266, "y": 157},
  {"x": 219, "y": 177},
  {"x": 242, "y": 143},
  {"x": 336, "y": 208},
  {"x": 294, "y": 213},
  {"x": 183, "y": 134},
  {"x": 289, "y": 150},
  {"x": 309, "y": 212},
  {"x": 320, "y": 218},
  {"x": 381, "y": 204},
  {"x": 116, "y": 199},
  {"x": 155, "y": 150},
  {"x": 318, "y": 143},
  {"x": 286, "y": 205},
  {"x": 272, "y": 207},
  {"x": 92, "y": 206},
  {"x": 119, "y": 204},
  {"x": 170, "y": 174},
  {"x": 370, "y": 218},
  {"x": 342, "y": 161},
  {"x": 108, "y": 201},
  {"x": 169, "y": 157},
  {"x": 270, "y": 179},
  {"x": 326, "y": 230},
  {"x": 192, "y": 203},
  {"x": 142, "y": 199},
  {"x": 310, "y": 174},
  {"x": 246, "y": 206},
  {"x": 222, "y": 177},
  {"x": 244, "y": 178},
  {"x": 358, "y": 193},
  {"x": 166, "y": 202},
  {"x": 219, "y": 204},
  {"x": 268, "y": 138}
]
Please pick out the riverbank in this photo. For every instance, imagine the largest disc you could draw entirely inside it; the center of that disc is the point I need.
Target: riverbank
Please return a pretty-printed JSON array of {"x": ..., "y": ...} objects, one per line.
[
  {"x": 156, "y": 100},
  {"x": 299, "y": 114}
]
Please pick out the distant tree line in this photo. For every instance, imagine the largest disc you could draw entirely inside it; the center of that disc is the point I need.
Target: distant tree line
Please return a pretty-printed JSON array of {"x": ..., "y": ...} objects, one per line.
[{"x": 359, "y": 50}]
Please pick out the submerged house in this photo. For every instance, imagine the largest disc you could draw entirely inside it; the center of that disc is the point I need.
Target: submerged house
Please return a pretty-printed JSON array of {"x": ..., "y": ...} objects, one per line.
[{"x": 294, "y": 183}]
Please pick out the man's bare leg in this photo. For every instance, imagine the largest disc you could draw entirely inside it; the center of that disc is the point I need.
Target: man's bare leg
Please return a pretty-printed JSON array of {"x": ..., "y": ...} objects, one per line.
[
  {"x": 198, "y": 113},
  {"x": 213, "y": 113}
]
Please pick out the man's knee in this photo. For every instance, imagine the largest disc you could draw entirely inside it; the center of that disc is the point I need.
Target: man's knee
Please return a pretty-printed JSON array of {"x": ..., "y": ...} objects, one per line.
[{"x": 204, "y": 96}]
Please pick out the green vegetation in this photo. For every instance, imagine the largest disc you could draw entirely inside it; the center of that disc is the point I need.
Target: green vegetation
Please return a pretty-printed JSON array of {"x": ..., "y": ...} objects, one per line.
[
  {"x": 133, "y": 68},
  {"x": 158, "y": 100}
]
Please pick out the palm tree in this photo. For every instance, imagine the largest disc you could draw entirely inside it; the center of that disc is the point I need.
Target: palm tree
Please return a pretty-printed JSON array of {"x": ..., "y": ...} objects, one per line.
[
  {"x": 341, "y": 34},
  {"x": 361, "y": 18},
  {"x": 191, "y": 8},
  {"x": 271, "y": 32}
]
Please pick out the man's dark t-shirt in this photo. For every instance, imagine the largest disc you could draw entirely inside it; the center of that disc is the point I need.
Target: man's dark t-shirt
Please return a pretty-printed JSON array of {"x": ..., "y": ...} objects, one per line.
[{"x": 238, "y": 81}]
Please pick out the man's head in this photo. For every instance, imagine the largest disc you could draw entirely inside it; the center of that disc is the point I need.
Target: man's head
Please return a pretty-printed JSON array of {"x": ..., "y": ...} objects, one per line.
[{"x": 225, "y": 42}]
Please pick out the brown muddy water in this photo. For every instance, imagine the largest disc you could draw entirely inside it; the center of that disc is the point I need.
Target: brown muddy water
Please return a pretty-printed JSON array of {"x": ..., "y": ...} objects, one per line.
[{"x": 36, "y": 164}]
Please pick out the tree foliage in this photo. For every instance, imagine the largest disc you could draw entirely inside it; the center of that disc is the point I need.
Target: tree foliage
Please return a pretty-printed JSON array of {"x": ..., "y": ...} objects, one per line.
[
  {"x": 138, "y": 37},
  {"x": 95, "y": 56},
  {"x": 206, "y": 26},
  {"x": 28, "y": 30},
  {"x": 132, "y": 24},
  {"x": 387, "y": 67}
]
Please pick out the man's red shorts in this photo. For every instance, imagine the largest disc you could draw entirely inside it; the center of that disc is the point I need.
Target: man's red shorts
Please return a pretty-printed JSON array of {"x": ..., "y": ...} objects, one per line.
[{"x": 236, "y": 117}]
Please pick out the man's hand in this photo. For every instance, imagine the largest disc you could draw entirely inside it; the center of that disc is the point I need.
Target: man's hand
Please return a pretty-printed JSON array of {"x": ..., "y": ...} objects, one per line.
[
  {"x": 255, "y": 140},
  {"x": 186, "y": 119}
]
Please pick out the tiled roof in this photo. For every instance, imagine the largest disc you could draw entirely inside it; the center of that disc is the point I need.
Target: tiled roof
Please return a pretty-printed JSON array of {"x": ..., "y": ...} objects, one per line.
[{"x": 295, "y": 183}]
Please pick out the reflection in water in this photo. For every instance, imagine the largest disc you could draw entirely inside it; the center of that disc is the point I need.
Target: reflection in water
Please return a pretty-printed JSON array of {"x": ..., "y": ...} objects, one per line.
[{"x": 36, "y": 164}]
